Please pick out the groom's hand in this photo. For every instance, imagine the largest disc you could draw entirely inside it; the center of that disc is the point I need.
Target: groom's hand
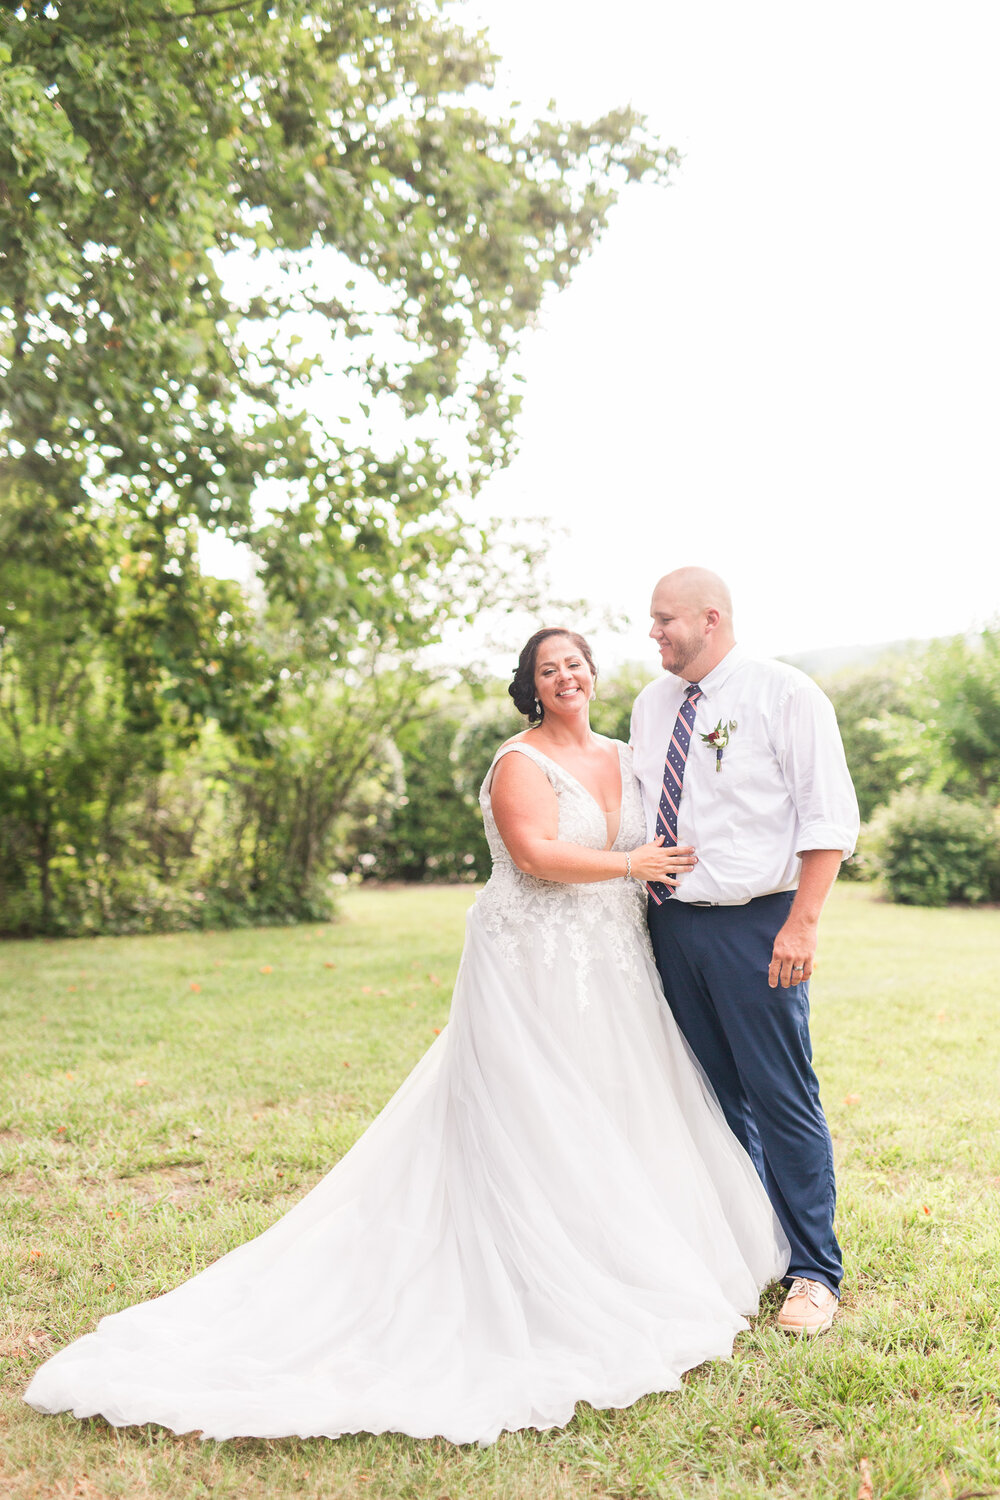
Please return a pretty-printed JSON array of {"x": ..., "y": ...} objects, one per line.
[
  {"x": 795, "y": 946},
  {"x": 793, "y": 953}
]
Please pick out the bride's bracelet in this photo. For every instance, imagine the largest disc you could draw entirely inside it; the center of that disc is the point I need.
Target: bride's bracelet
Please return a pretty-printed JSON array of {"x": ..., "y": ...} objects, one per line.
[{"x": 628, "y": 866}]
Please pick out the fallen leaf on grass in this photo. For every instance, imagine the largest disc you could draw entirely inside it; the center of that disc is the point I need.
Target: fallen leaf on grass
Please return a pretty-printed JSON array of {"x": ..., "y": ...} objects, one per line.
[
  {"x": 926, "y": 1209},
  {"x": 195, "y": 987},
  {"x": 433, "y": 979},
  {"x": 942, "y": 1015},
  {"x": 71, "y": 1076},
  {"x": 852, "y": 1098},
  {"x": 437, "y": 1031},
  {"x": 71, "y": 989},
  {"x": 141, "y": 1083},
  {"x": 266, "y": 969},
  {"x": 328, "y": 965},
  {"x": 865, "y": 1491},
  {"x": 366, "y": 989},
  {"x": 85, "y": 1489}
]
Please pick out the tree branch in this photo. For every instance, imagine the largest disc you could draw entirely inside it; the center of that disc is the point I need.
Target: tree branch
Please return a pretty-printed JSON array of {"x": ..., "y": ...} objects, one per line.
[{"x": 195, "y": 15}]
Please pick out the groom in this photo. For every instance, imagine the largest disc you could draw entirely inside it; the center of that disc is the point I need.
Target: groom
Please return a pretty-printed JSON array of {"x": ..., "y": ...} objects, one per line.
[{"x": 743, "y": 759}]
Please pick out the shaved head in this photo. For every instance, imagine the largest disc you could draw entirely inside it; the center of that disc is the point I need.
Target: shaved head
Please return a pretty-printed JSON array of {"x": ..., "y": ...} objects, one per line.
[
  {"x": 692, "y": 614},
  {"x": 697, "y": 589}
]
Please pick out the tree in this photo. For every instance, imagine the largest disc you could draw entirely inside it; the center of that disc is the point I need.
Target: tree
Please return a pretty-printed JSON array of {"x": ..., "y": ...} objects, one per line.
[
  {"x": 81, "y": 737},
  {"x": 611, "y": 711},
  {"x": 62, "y": 742},
  {"x": 432, "y": 828},
  {"x": 343, "y": 151},
  {"x": 884, "y": 711},
  {"x": 392, "y": 237},
  {"x": 928, "y": 719},
  {"x": 964, "y": 674}
]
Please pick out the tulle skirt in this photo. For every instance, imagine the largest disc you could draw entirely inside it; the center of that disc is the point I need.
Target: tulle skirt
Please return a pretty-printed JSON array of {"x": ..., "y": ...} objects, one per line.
[{"x": 551, "y": 1209}]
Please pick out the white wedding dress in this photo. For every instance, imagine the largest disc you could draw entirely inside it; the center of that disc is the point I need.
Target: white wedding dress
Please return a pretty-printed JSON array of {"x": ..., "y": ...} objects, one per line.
[{"x": 551, "y": 1209}]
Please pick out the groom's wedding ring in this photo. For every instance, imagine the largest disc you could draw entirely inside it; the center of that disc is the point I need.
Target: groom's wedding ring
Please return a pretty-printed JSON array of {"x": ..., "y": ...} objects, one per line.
[{"x": 797, "y": 967}]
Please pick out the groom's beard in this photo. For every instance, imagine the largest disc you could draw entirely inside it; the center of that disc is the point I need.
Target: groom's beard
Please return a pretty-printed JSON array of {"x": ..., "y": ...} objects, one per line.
[{"x": 682, "y": 654}]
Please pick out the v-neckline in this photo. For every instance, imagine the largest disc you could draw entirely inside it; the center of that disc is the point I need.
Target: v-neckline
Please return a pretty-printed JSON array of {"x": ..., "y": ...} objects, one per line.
[{"x": 586, "y": 790}]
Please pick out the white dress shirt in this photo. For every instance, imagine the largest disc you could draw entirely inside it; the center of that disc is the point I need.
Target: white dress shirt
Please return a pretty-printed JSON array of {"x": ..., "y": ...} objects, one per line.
[{"x": 783, "y": 786}]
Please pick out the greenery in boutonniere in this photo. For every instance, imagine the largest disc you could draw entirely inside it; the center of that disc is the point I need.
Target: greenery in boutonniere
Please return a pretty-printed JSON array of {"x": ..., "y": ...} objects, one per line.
[{"x": 718, "y": 739}]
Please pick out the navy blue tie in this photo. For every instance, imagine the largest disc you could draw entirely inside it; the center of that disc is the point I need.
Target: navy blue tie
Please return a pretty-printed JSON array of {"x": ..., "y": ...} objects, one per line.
[{"x": 673, "y": 780}]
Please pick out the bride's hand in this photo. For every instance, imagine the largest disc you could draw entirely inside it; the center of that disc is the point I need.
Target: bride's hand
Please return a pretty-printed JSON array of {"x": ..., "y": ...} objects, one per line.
[{"x": 654, "y": 862}]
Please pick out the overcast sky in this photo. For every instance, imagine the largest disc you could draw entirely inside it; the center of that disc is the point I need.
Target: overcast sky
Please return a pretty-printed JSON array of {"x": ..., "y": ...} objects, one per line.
[{"x": 785, "y": 365}]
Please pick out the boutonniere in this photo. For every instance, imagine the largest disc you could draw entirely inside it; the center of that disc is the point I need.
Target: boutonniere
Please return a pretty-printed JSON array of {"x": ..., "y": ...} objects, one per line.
[{"x": 718, "y": 738}]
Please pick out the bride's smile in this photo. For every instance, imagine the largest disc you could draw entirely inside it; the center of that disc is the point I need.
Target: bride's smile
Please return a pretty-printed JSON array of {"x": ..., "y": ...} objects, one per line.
[{"x": 563, "y": 679}]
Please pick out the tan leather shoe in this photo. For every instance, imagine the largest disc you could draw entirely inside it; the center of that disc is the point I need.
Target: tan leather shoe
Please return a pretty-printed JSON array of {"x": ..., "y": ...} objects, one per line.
[{"x": 809, "y": 1308}]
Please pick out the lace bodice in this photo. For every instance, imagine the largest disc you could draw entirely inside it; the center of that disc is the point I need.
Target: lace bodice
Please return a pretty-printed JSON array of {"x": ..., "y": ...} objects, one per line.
[{"x": 529, "y": 918}]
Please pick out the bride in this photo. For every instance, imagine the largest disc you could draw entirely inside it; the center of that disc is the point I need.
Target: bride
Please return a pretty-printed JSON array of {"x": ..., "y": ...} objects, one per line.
[{"x": 551, "y": 1209}]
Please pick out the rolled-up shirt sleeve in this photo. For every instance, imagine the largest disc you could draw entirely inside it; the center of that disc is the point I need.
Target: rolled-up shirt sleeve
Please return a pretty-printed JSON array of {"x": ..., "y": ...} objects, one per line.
[{"x": 811, "y": 754}]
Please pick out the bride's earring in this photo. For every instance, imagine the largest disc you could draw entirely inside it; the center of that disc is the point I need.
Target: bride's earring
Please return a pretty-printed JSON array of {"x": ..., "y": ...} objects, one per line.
[{"x": 538, "y": 709}]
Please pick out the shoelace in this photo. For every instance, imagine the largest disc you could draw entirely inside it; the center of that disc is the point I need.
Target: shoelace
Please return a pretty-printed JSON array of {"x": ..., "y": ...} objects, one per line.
[{"x": 802, "y": 1287}]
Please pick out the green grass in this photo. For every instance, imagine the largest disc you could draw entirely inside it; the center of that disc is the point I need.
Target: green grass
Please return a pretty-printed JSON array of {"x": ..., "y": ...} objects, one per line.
[{"x": 166, "y": 1097}]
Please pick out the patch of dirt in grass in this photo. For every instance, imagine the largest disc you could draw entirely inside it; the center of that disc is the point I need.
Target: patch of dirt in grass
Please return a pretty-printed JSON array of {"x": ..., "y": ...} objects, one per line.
[
  {"x": 74, "y": 1487},
  {"x": 30, "y": 1185},
  {"x": 173, "y": 1160},
  {"x": 22, "y": 1341},
  {"x": 178, "y": 1185}
]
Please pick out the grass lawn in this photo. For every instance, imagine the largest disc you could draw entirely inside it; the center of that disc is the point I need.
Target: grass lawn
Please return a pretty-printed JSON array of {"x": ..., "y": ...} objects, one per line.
[{"x": 165, "y": 1097}]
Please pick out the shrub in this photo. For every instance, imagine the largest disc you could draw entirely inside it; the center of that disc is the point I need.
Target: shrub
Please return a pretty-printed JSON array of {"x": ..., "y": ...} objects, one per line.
[
  {"x": 883, "y": 710},
  {"x": 933, "y": 849},
  {"x": 434, "y": 829}
]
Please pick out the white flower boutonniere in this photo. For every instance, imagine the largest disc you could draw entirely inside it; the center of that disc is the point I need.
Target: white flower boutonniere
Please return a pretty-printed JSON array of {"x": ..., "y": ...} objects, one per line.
[{"x": 718, "y": 738}]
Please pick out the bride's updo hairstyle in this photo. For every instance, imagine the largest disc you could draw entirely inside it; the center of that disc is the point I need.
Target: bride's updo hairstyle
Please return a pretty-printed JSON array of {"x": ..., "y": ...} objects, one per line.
[{"x": 522, "y": 689}]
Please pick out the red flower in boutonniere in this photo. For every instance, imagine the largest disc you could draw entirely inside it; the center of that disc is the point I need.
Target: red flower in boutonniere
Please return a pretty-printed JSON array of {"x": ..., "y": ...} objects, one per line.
[{"x": 718, "y": 738}]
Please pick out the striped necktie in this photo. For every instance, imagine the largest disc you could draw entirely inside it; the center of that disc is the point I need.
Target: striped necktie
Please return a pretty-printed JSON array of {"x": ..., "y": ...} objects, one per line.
[{"x": 673, "y": 780}]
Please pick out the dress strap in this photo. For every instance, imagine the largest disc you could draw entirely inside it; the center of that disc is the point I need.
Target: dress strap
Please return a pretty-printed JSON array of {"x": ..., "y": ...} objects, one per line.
[{"x": 549, "y": 767}]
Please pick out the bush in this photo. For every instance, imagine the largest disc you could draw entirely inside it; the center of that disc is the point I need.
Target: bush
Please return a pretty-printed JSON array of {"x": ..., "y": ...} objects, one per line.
[
  {"x": 932, "y": 849},
  {"x": 884, "y": 710},
  {"x": 434, "y": 829}
]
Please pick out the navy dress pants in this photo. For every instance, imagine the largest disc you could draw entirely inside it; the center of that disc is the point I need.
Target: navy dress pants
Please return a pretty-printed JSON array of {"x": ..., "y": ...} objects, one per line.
[{"x": 753, "y": 1043}]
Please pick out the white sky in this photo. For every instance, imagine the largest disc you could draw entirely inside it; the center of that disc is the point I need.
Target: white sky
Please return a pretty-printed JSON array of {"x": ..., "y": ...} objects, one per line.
[{"x": 784, "y": 366}]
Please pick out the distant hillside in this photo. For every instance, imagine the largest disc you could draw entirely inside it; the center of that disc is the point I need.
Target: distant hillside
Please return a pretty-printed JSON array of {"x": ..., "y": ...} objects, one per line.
[
  {"x": 819, "y": 663},
  {"x": 823, "y": 662}
]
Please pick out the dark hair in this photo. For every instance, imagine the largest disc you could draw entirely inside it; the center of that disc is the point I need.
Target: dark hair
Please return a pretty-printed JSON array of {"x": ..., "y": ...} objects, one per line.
[{"x": 522, "y": 689}]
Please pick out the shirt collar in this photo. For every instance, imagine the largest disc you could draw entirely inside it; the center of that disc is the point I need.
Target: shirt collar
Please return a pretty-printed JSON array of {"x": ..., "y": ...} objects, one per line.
[{"x": 720, "y": 674}]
